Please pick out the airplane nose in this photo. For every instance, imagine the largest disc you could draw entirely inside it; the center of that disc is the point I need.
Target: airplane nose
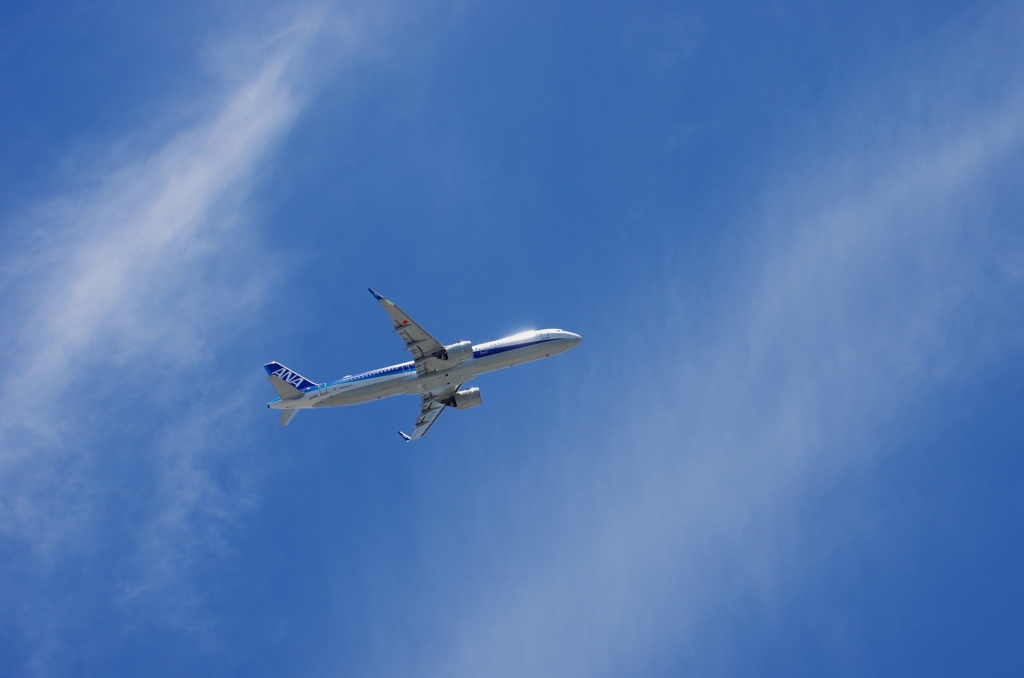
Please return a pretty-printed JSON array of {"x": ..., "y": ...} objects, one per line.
[{"x": 575, "y": 339}]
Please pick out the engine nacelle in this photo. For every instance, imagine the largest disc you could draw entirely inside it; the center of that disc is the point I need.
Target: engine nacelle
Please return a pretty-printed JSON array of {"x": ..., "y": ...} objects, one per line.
[
  {"x": 463, "y": 400},
  {"x": 456, "y": 353}
]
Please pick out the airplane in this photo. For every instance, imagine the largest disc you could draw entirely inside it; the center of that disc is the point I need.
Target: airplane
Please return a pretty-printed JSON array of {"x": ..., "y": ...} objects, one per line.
[{"x": 436, "y": 373}]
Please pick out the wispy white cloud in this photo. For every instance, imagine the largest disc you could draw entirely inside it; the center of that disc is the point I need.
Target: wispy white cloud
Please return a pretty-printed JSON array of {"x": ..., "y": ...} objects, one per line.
[
  {"x": 126, "y": 287},
  {"x": 109, "y": 282},
  {"x": 107, "y": 254},
  {"x": 850, "y": 312}
]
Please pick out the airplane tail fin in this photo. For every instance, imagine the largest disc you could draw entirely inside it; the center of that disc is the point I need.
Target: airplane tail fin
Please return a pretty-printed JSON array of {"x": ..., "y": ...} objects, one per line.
[{"x": 289, "y": 385}]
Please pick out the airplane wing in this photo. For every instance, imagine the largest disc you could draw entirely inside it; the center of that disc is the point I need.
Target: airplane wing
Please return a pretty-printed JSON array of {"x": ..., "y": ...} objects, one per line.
[
  {"x": 430, "y": 410},
  {"x": 424, "y": 348}
]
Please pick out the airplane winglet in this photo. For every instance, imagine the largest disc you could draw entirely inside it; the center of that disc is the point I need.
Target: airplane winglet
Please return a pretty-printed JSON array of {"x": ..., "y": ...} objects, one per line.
[
  {"x": 375, "y": 295},
  {"x": 404, "y": 437}
]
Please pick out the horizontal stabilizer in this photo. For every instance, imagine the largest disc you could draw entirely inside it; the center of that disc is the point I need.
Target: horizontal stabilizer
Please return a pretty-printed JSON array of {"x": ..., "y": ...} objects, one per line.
[{"x": 287, "y": 416}]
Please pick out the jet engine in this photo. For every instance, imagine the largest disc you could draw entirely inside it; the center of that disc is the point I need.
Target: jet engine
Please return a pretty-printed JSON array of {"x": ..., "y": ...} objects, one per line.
[
  {"x": 463, "y": 400},
  {"x": 456, "y": 353}
]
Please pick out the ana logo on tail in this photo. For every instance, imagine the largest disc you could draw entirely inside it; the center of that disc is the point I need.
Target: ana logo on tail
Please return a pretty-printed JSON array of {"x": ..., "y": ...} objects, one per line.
[{"x": 288, "y": 376}]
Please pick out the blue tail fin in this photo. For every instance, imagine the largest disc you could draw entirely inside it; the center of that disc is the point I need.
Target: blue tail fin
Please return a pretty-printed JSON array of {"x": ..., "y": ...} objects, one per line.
[{"x": 287, "y": 376}]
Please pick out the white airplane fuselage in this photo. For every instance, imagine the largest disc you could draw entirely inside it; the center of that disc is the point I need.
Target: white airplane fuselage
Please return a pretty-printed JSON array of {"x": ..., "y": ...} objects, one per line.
[{"x": 402, "y": 379}]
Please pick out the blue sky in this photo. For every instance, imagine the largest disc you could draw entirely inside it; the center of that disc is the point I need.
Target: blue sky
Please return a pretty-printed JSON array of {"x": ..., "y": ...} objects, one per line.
[{"x": 790, "y": 234}]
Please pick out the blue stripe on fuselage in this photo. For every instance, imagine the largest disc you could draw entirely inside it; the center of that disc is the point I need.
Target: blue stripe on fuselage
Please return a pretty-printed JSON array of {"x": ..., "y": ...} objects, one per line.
[
  {"x": 394, "y": 369},
  {"x": 484, "y": 352},
  {"x": 411, "y": 366}
]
